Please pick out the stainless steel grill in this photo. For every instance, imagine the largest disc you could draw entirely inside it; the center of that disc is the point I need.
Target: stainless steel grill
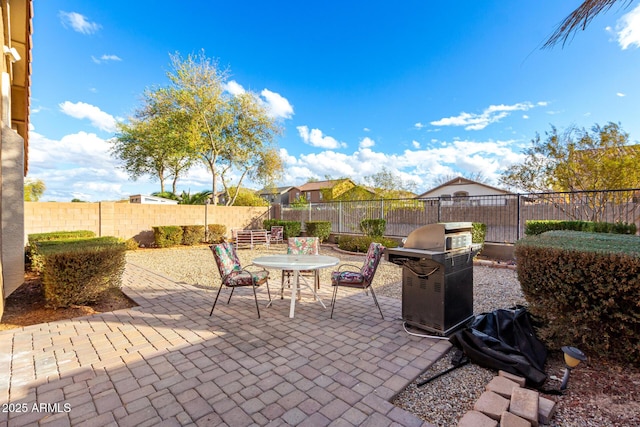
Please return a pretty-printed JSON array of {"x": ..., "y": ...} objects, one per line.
[{"x": 437, "y": 276}]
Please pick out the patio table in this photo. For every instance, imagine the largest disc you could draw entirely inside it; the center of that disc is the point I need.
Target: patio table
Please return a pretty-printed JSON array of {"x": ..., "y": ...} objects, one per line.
[{"x": 296, "y": 263}]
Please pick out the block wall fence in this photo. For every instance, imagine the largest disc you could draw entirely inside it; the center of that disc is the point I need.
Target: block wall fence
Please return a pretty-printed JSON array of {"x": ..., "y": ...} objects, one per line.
[{"x": 132, "y": 220}]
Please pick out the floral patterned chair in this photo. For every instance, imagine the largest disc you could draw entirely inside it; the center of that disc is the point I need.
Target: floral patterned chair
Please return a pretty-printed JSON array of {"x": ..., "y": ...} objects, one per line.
[
  {"x": 233, "y": 275},
  {"x": 301, "y": 246},
  {"x": 276, "y": 234},
  {"x": 359, "y": 278}
]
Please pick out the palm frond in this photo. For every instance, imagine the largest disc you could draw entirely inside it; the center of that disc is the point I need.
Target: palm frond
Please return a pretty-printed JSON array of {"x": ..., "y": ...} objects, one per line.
[{"x": 580, "y": 18}]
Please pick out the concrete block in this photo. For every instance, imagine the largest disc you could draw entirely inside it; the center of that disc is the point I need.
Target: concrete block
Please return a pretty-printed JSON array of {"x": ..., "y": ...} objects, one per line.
[
  {"x": 476, "y": 419},
  {"x": 521, "y": 381},
  {"x": 510, "y": 420},
  {"x": 491, "y": 404},
  {"x": 502, "y": 386},
  {"x": 546, "y": 410},
  {"x": 524, "y": 403}
]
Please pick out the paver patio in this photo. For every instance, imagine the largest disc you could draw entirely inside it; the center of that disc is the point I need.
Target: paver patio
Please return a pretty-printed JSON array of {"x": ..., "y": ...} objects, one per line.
[{"x": 166, "y": 362}]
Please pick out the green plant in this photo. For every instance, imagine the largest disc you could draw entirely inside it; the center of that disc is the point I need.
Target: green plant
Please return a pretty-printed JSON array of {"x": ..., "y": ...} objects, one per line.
[
  {"x": 361, "y": 243},
  {"x": 192, "y": 234},
  {"x": 167, "y": 236},
  {"x": 373, "y": 227},
  {"x": 131, "y": 244},
  {"x": 217, "y": 232},
  {"x": 320, "y": 229},
  {"x": 478, "y": 232},
  {"x": 76, "y": 272},
  {"x": 535, "y": 227}
]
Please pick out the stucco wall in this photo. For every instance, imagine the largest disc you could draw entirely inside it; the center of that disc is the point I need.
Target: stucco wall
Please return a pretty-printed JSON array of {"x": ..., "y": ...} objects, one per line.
[
  {"x": 11, "y": 210},
  {"x": 127, "y": 220}
]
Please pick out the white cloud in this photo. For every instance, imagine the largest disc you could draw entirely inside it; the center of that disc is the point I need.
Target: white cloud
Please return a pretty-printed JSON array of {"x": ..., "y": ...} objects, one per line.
[
  {"x": 367, "y": 142},
  {"x": 234, "y": 88},
  {"x": 525, "y": 116},
  {"x": 415, "y": 144},
  {"x": 277, "y": 105},
  {"x": 418, "y": 125},
  {"x": 419, "y": 165},
  {"x": 628, "y": 29},
  {"x": 105, "y": 58},
  {"x": 315, "y": 138},
  {"x": 98, "y": 118},
  {"x": 620, "y": 94},
  {"x": 491, "y": 114},
  {"x": 366, "y": 129},
  {"x": 78, "y": 22}
]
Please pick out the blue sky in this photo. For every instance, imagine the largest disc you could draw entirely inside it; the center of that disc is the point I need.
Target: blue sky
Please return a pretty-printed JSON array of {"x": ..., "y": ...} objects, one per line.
[{"x": 423, "y": 88}]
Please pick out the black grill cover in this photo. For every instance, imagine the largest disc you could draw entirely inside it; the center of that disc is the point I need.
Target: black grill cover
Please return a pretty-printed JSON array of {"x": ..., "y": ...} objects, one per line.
[{"x": 504, "y": 340}]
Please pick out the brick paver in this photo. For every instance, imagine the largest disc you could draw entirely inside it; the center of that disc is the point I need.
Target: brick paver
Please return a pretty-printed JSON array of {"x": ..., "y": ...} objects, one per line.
[{"x": 166, "y": 362}]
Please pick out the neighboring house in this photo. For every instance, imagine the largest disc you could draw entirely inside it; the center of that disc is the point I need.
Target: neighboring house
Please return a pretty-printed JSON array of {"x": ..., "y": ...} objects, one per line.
[
  {"x": 459, "y": 190},
  {"x": 151, "y": 200},
  {"x": 276, "y": 195},
  {"x": 14, "y": 140},
  {"x": 321, "y": 191}
]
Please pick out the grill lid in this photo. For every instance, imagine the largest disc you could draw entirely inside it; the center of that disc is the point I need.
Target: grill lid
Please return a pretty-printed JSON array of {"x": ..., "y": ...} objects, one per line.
[{"x": 440, "y": 237}]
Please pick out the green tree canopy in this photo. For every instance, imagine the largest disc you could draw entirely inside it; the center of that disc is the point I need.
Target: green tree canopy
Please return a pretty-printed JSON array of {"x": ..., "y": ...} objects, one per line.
[
  {"x": 33, "y": 189},
  {"x": 577, "y": 159},
  {"x": 233, "y": 133},
  {"x": 153, "y": 141},
  {"x": 389, "y": 185}
]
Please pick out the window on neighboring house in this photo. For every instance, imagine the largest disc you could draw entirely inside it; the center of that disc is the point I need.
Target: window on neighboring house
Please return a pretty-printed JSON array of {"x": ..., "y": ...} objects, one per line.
[
  {"x": 461, "y": 196},
  {"x": 320, "y": 195},
  {"x": 308, "y": 196},
  {"x": 445, "y": 196}
]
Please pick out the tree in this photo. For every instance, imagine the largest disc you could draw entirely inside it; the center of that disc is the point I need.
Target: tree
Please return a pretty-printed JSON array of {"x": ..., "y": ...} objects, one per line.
[
  {"x": 577, "y": 160},
  {"x": 153, "y": 142},
  {"x": 580, "y": 18},
  {"x": 246, "y": 197},
  {"x": 388, "y": 184},
  {"x": 232, "y": 134},
  {"x": 33, "y": 189}
]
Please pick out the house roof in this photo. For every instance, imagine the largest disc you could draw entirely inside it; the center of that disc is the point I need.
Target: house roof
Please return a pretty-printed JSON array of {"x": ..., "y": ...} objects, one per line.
[
  {"x": 319, "y": 185},
  {"x": 276, "y": 190},
  {"x": 461, "y": 181}
]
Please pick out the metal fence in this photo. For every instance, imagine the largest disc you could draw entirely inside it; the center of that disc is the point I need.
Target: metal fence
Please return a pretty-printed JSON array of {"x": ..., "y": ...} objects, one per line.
[{"x": 504, "y": 215}]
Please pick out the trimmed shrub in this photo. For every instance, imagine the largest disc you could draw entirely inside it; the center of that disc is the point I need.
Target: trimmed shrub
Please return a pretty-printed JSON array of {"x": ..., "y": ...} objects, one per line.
[
  {"x": 373, "y": 227},
  {"x": 478, "y": 232},
  {"x": 76, "y": 272},
  {"x": 361, "y": 243},
  {"x": 584, "y": 289},
  {"x": 291, "y": 228},
  {"x": 61, "y": 235},
  {"x": 320, "y": 229},
  {"x": 131, "y": 244},
  {"x": 192, "y": 234},
  {"x": 167, "y": 236},
  {"x": 535, "y": 227},
  {"x": 217, "y": 232}
]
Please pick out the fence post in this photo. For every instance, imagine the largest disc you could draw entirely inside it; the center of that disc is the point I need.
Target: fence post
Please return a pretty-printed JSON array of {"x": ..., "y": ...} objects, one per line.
[
  {"x": 518, "y": 220},
  {"x": 439, "y": 207},
  {"x": 339, "y": 217},
  {"x": 381, "y": 208}
]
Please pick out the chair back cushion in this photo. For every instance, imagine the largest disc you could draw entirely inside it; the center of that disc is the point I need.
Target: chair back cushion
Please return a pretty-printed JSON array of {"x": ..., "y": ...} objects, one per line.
[
  {"x": 371, "y": 261},
  {"x": 276, "y": 232},
  {"x": 226, "y": 258},
  {"x": 303, "y": 245}
]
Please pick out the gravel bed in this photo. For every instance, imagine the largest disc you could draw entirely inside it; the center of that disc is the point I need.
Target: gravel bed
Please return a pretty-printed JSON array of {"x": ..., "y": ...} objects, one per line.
[{"x": 442, "y": 401}]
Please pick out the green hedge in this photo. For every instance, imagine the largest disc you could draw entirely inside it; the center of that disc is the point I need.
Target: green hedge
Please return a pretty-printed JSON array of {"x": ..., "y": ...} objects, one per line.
[
  {"x": 361, "y": 243},
  {"x": 76, "y": 272},
  {"x": 584, "y": 288},
  {"x": 192, "y": 234},
  {"x": 535, "y": 227},
  {"x": 373, "y": 227},
  {"x": 478, "y": 232},
  {"x": 167, "y": 236},
  {"x": 61, "y": 235},
  {"x": 320, "y": 229},
  {"x": 217, "y": 232},
  {"x": 291, "y": 228}
]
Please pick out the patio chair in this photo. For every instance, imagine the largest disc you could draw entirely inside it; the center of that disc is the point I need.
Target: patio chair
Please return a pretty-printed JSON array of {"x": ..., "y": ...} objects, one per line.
[
  {"x": 233, "y": 275},
  {"x": 301, "y": 246},
  {"x": 358, "y": 278},
  {"x": 276, "y": 234}
]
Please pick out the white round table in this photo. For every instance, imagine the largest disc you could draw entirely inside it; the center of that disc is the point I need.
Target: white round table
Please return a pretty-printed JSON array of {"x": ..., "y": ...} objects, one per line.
[{"x": 296, "y": 263}]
